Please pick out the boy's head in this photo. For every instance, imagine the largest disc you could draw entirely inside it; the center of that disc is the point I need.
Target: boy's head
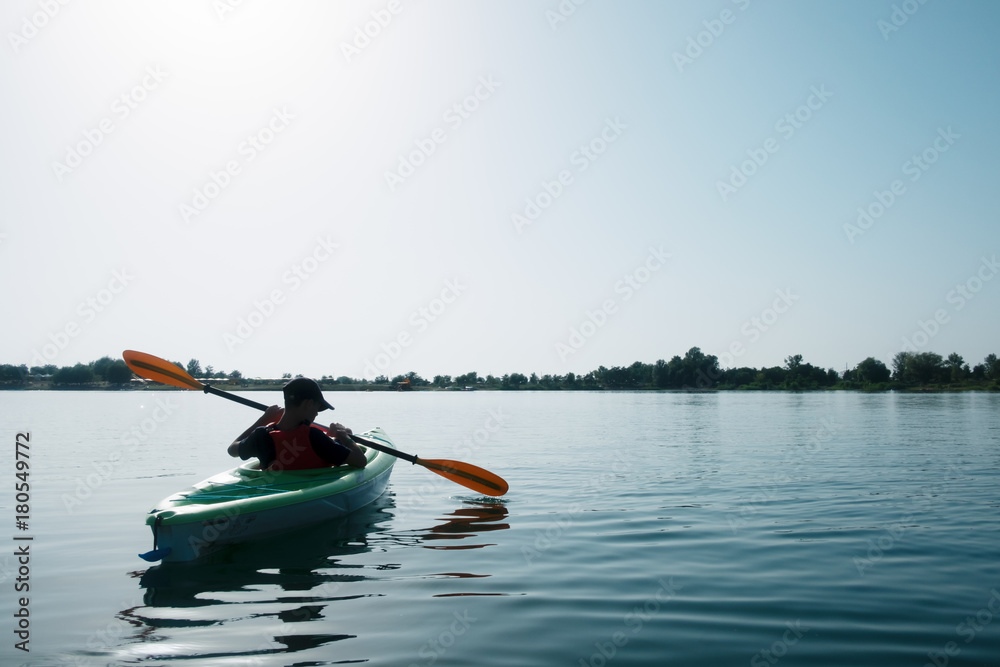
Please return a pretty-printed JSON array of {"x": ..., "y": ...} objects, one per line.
[{"x": 301, "y": 389}]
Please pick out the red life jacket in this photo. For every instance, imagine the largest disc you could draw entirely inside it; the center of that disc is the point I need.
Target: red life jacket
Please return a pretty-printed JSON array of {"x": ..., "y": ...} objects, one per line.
[{"x": 293, "y": 451}]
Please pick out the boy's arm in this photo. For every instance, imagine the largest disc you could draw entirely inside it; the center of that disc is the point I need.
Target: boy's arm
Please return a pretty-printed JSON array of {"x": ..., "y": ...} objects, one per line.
[
  {"x": 272, "y": 414},
  {"x": 342, "y": 435}
]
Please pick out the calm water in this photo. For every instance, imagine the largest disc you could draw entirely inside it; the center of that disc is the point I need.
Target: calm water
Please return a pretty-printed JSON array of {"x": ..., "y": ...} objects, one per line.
[{"x": 728, "y": 529}]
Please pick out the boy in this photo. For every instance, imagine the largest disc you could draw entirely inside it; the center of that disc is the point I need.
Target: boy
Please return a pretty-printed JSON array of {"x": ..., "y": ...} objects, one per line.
[{"x": 284, "y": 439}]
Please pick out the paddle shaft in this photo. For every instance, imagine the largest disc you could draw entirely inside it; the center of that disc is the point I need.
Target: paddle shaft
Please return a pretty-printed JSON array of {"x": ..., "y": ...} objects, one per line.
[{"x": 209, "y": 389}]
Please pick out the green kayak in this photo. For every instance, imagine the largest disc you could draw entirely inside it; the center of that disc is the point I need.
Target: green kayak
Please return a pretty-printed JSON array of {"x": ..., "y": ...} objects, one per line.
[{"x": 246, "y": 503}]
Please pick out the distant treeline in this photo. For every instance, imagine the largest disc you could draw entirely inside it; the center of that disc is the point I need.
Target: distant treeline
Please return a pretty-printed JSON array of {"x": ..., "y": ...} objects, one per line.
[{"x": 694, "y": 371}]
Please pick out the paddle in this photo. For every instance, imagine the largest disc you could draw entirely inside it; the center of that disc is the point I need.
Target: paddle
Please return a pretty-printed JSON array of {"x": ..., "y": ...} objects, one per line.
[{"x": 470, "y": 476}]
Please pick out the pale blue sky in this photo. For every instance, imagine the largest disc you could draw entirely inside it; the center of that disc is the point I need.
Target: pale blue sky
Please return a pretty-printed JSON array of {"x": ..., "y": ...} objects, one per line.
[{"x": 331, "y": 122}]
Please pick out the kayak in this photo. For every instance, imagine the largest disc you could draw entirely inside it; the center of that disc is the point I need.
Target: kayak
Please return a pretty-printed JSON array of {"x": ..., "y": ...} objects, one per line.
[{"x": 246, "y": 503}]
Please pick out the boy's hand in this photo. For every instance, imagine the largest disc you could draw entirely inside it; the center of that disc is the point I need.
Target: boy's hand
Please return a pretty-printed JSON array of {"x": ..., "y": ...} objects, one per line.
[{"x": 340, "y": 432}]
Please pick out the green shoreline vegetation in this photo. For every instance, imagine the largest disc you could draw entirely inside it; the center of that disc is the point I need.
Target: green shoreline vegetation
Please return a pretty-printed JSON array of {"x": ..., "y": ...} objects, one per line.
[{"x": 695, "y": 371}]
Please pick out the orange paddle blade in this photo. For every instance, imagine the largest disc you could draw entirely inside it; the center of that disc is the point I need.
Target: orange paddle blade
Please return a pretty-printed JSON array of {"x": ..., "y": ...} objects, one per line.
[
  {"x": 468, "y": 475},
  {"x": 159, "y": 370}
]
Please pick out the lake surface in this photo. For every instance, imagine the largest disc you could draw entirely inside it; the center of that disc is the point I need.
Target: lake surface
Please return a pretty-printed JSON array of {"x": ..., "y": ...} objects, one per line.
[{"x": 640, "y": 529}]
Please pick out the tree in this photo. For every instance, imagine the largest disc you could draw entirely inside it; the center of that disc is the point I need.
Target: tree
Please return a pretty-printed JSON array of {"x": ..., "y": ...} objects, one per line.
[
  {"x": 793, "y": 362},
  {"x": 899, "y": 362},
  {"x": 796, "y": 373},
  {"x": 78, "y": 374},
  {"x": 118, "y": 373},
  {"x": 442, "y": 381},
  {"x": 194, "y": 368},
  {"x": 699, "y": 370},
  {"x": 924, "y": 367},
  {"x": 954, "y": 363},
  {"x": 615, "y": 377},
  {"x": 416, "y": 380},
  {"x": 771, "y": 378},
  {"x": 590, "y": 381},
  {"x": 992, "y": 367},
  {"x": 738, "y": 377},
  {"x": 101, "y": 366},
  {"x": 513, "y": 381},
  {"x": 470, "y": 378},
  {"x": 675, "y": 371},
  {"x": 640, "y": 374},
  {"x": 10, "y": 374},
  {"x": 661, "y": 374},
  {"x": 871, "y": 371}
]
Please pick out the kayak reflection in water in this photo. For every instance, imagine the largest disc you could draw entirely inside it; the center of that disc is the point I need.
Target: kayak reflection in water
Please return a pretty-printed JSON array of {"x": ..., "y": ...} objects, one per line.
[{"x": 284, "y": 439}]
